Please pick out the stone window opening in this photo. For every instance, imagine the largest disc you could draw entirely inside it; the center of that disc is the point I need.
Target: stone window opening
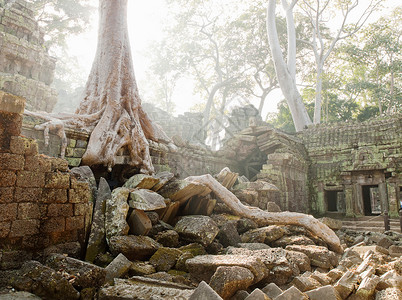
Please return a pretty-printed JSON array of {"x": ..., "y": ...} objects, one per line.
[
  {"x": 371, "y": 200},
  {"x": 335, "y": 201}
]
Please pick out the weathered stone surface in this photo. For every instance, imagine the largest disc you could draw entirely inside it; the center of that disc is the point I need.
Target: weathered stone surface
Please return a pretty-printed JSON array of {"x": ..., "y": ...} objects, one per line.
[
  {"x": 257, "y": 294},
  {"x": 199, "y": 229},
  {"x": 327, "y": 292},
  {"x": 244, "y": 225},
  {"x": 85, "y": 274},
  {"x": 140, "y": 268},
  {"x": 389, "y": 280},
  {"x": 334, "y": 224},
  {"x": 226, "y": 281},
  {"x": 146, "y": 200},
  {"x": 165, "y": 258},
  {"x": 204, "y": 291},
  {"x": 305, "y": 284},
  {"x": 319, "y": 256},
  {"x": 97, "y": 237},
  {"x": 347, "y": 284},
  {"x": 193, "y": 248},
  {"x": 228, "y": 235},
  {"x": 164, "y": 178},
  {"x": 253, "y": 246},
  {"x": 322, "y": 278},
  {"x": 44, "y": 282},
  {"x": 116, "y": 213},
  {"x": 139, "y": 223},
  {"x": 141, "y": 181},
  {"x": 272, "y": 290},
  {"x": 367, "y": 287},
  {"x": 273, "y": 207},
  {"x": 227, "y": 178},
  {"x": 148, "y": 289},
  {"x": 240, "y": 295},
  {"x": 168, "y": 238},
  {"x": 389, "y": 294},
  {"x": 181, "y": 261},
  {"x": 291, "y": 294},
  {"x": 292, "y": 240},
  {"x": 300, "y": 259},
  {"x": 133, "y": 247},
  {"x": 19, "y": 296},
  {"x": 181, "y": 190},
  {"x": 204, "y": 266},
  {"x": 117, "y": 268},
  {"x": 263, "y": 235}
]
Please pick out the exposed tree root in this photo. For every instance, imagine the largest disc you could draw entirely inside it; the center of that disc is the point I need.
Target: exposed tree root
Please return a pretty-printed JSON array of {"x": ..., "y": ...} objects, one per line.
[{"x": 264, "y": 218}]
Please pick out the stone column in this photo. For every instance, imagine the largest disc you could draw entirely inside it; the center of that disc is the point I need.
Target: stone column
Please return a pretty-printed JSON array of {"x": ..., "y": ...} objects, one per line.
[
  {"x": 382, "y": 189},
  {"x": 358, "y": 206},
  {"x": 349, "y": 201},
  {"x": 393, "y": 199}
]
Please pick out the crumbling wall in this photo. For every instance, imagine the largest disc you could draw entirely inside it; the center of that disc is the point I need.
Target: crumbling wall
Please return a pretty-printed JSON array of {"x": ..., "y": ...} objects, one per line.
[
  {"x": 26, "y": 69},
  {"x": 41, "y": 203},
  {"x": 348, "y": 156}
]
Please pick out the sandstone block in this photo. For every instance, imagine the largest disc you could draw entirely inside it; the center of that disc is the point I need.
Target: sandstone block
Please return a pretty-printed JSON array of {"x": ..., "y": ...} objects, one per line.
[
  {"x": 228, "y": 235},
  {"x": 30, "y": 147},
  {"x": 17, "y": 145},
  {"x": 37, "y": 163},
  {"x": 11, "y": 103},
  {"x": 140, "y": 268},
  {"x": 168, "y": 238},
  {"x": 327, "y": 292},
  {"x": 6, "y": 194},
  {"x": 291, "y": 294},
  {"x": 117, "y": 268},
  {"x": 165, "y": 258},
  {"x": 54, "y": 196},
  {"x": 75, "y": 223},
  {"x": 141, "y": 181},
  {"x": 332, "y": 223},
  {"x": 202, "y": 267},
  {"x": 319, "y": 256},
  {"x": 146, "y": 200},
  {"x": 79, "y": 195},
  {"x": 292, "y": 240},
  {"x": 20, "y": 228},
  {"x": 28, "y": 211},
  {"x": 226, "y": 281},
  {"x": 59, "y": 164},
  {"x": 64, "y": 210},
  {"x": 204, "y": 291},
  {"x": 28, "y": 179},
  {"x": 7, "y": 178},
  {"x": 57, "y": 180},
  {"x": 164, "y": 178},
  {"x": 181, "y": 190},
  {"x": 272, "y": 290},
  {"x": 56, "y": 224},
  {"x": 139, "y": 222},
  {"x": 347, "y": 284},
  {"x": 85, "y": 274},
  {"x": 305, "y": 284},
  {"x": 389, "y": 294},
  {"x": 263, "y": 235},
  {"x": 199, "y": 229},
  {"x": 257, "y": 294},
  {"x": 9, "y": 161},
  {"x": 133, "y": 247},
  {"x": 116, "y": 213},
  {"x": 8, "y": 212}
]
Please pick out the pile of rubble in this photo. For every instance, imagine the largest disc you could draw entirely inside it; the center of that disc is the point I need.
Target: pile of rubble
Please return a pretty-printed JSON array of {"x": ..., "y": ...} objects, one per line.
[{"x": 157, "y": 237}]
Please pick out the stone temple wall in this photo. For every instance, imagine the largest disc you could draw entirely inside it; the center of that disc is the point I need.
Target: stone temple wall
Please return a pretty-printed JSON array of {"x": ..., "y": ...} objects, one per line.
[
  {"x": 347, "y": 159},
  {"x": 41, "y": 203},
  {"x": 26, "y": 69}
]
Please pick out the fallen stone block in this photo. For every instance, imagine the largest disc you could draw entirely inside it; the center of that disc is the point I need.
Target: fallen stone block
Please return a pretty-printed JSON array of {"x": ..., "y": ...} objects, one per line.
[
  {"x": 199, "y": 229},
  {"x": 164, "y": 178},
  {"x": 272, "y": 290},
  {"x": 257, "y": 294},
  {"x": 116, "y": 213},
  {"x": 141, "y": 181},
  {"x": 44, "y": 282},
  {"x": 140, "y": 268},
  {"x": 322, "y": 278},
  {"x": 125, "y": 289},
  {"x": 139, "y": 223},
  {"x": 240, "y": 295},
  {"x": 347, "y": 284},
  {"x": 203, "y": 267},
  {"x": 319, "y": 256},
  {"x": 146, "y": 200},
  {"x": 228, "y": 235},
  {"x": 117, "y": 268},
  {"x": 165, "y": 258},
  {"x": 85, "y": 274},
  {"x": 332, "y": 223},
  {"x": 263, "y": 235},
  {"x": 181, "y": 190},
  {"x": 367, "y": 287},
  {"x": 227, "y": 178},
  {"x": 203, "y": 292},
  {"x": 305, "y": 284},
  {"x": 292, "y": 293},
  {"x": 389, "y": 294},
  {"x": 327, "y": 292},
  {"x": 390, "y": 279},
  {"x": 226, "y": 281},
  {"x": 97, "y": 236},
  {"x": 133, "y": 247},
  {"x": 168, "y": 238}
]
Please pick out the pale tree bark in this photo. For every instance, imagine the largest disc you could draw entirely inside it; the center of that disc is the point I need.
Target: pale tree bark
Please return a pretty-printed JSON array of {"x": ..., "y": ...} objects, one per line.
[
  {"x": 264, "y": 218},
  {"x": 111, "y": 109},
  {"x": 285, "y": 75},
  {"x": 315, "y": 12}
]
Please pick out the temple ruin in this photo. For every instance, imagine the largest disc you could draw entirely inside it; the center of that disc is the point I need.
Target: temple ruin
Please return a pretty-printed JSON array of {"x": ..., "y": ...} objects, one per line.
[{"x": 169, "y": 234}]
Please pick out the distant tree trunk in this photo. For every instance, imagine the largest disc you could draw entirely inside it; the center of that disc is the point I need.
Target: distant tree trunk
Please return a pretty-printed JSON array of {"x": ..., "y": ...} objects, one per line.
[
  {"x": 111, "y": 92},
  {"x": 285, "y": 76}
]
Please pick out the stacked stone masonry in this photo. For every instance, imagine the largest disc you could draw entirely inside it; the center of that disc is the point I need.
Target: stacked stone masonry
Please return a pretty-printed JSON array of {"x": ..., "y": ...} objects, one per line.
[
  {"x": 41, "y": 203},
  {"x": 26, "y": 69}
]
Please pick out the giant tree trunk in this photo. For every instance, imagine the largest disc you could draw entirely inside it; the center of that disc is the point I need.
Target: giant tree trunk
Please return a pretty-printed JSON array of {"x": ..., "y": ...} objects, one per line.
[
  {"x": 264, "y": 218},
  {"x": 111, "y": 89},
  {"x": 284, "y": 73}
]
